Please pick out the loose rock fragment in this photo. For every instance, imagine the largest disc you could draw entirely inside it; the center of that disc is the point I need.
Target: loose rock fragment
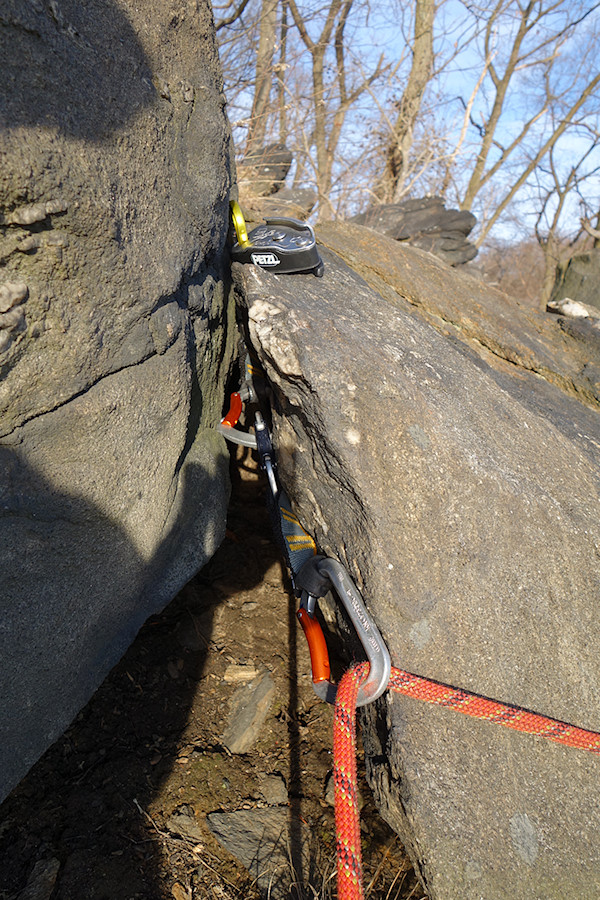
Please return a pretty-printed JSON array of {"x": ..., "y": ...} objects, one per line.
[
  {"x": 13, "y": 320},
  {"x": 33, "y": 242},
  {"x": 185, "y": 825},
  {"x": 12, "y": 316},
  {"x": 180, "y": 893},
  {"x": 188, "y": 91},
  {"x": 54, "y": 239},
  {"x": 6, "y": 339},
  {"x": 42, "y": 880},
  {"x": 272, "y": 847},
  {"x": 239, "y": 674},
  {"x": 274, "y": 790},
  {"x": 567, "y": 307},
  {"x": 12, "y": 293},
  {"x": 37, "y": 212},
  {"x": 250, "y": 706}
]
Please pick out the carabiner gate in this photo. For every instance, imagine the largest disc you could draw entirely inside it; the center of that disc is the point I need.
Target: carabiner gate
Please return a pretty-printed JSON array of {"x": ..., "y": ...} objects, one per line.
[
  {"x": 316, "y": 577},
  {"x": 227, "y": 424},
  {"x": 236, "y": 404}
]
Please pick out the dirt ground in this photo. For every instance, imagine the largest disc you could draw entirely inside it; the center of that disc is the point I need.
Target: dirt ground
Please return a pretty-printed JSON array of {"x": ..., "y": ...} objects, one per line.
[{"x": 96, "y": 818}]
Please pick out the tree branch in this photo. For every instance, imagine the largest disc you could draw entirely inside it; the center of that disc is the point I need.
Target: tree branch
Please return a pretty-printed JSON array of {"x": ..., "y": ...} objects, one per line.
[{"x": 222, "y": 23}]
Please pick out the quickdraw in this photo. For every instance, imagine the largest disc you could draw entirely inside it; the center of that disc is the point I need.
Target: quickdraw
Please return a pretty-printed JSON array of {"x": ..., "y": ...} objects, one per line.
[
  {"x": 313, "y": 575},
  {"x": 315, "y": 579}
]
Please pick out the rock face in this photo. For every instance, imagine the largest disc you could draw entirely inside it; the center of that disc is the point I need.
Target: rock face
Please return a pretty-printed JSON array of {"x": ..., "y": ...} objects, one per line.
[
  {"x": 580, "y": 279},
  {"x": 462, "y": 491},
  {"x": 427, "y": 224},
  {"x": 114, "y": 182}
]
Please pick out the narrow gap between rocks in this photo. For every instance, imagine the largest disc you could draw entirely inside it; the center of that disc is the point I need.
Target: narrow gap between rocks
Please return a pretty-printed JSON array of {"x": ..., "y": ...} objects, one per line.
[{"x": 201, "y": 768}]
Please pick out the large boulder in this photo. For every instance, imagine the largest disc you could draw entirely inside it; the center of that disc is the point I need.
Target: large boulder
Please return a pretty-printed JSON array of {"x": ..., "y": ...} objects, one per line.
[
  {"x": 460, "y": 484},
  {"x": 114, "y": 302}
]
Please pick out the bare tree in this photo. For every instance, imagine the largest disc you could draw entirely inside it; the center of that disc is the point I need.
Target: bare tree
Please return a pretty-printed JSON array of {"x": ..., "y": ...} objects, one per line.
[
  {"x": 264, "y": 75},
  {"x": 331, "y": 99},
  {"x": 401, "y": 136},
  {"x": 533, "y": 71},
  {"x": 280, "y": 71},
  {"x": 594, "y": 233},
  {"x": 527, "y": 39},
  {"x": 238, "y": 25},
  {"x": 303, "y": 81},
  {"x": 476, "y": 108},
  {"x": 232, "y": 12}
]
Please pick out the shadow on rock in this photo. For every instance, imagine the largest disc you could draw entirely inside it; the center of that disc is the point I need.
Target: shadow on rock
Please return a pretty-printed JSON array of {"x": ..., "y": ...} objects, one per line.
[
  {"x": 67, "y": 66},
  {"x": 83, "y": 823}
]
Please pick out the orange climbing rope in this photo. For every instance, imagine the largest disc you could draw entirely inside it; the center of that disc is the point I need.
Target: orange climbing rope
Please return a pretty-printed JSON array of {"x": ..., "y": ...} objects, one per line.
[
  {"x": 349, "y": 860},
  {"x": 494, "y": 712},
  {"x": 347, "y": 820}
]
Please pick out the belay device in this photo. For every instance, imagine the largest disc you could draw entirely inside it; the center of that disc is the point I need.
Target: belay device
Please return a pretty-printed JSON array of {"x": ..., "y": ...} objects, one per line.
[{"x": 284, "y": 245}]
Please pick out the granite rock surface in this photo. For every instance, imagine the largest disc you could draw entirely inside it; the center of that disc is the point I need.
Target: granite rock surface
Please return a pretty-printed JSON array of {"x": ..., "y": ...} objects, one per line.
[
  {"x": 114, "y": 348},
  {"x": 436, "y": 444}
]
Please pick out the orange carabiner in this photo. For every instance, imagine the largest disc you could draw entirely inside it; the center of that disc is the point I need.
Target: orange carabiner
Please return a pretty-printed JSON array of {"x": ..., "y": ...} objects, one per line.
[
  {"x": 318, "y": 575},
  {"x": 317, "y": 646},
  {"x": 230, "y": 419}
]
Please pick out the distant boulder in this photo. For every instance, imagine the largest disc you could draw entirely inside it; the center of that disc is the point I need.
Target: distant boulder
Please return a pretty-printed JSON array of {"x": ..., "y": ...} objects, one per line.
[
  {"x": 262, "y": 191},
  {"x": 295, "y": 202},
  {"x": 263, "y": 171},
  {"x": 425, "y": 223},
  {"x": 579, "y": 279}
]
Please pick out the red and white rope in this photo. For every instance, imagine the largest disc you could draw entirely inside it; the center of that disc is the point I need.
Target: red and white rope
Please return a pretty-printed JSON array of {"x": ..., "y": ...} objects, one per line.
[{"x": 349, "y": 858}]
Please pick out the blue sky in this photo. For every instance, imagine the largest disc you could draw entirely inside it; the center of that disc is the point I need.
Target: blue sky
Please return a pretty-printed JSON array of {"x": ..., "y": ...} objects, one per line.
[{"x": 381, "y": 32}]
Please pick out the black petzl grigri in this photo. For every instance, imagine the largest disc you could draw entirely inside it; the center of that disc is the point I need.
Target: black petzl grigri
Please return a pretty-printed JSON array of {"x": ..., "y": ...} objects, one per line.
[{"x": 284, "y": 245}]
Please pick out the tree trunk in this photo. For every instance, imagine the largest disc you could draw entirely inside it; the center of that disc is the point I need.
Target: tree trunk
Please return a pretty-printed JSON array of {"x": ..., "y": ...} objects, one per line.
[
  {"x": 551, "y": 260},
  {"x": 281, "y": 94},
  {"x": 263, "y": 81},
  {"x": 396, "y": 163}
]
